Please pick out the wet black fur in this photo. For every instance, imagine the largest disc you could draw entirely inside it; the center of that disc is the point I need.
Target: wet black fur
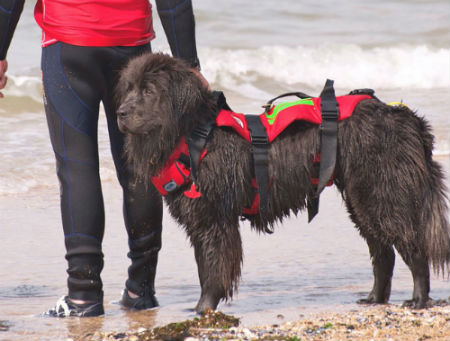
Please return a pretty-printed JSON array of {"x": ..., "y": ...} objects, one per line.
[{"x": 393, "y": 189}]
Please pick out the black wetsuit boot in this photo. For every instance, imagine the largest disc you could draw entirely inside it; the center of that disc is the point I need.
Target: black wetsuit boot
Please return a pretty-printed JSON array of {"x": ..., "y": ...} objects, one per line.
[
  {"x": 141, "y": 273},
  {"x": 85, "y": 263}
]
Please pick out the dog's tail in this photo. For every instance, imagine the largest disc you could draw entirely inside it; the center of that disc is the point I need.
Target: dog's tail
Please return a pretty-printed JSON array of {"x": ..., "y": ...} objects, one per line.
[
  {"x": 437, "y": 231},
  {"x": 435, "y": 210}
]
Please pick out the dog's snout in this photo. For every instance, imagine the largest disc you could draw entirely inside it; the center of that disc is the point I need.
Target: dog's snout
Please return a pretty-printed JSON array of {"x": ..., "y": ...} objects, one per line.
[{"x": 122, "y": 112}]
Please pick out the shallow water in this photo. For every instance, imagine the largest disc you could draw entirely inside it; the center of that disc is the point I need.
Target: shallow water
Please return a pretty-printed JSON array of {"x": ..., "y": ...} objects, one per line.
[{"x": 252, "y": 52}]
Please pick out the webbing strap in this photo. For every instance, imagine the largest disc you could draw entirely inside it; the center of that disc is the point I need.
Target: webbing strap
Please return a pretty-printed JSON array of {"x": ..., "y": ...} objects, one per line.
[
  {"x": 197, "y": 140},
  {"x": 328, "y": 143},
  {"x": 329, "y": 130},
  {"x": 196, "y": 143},
  {"x": 300, "y": 95},
  {"x": 260, "y": 145}
]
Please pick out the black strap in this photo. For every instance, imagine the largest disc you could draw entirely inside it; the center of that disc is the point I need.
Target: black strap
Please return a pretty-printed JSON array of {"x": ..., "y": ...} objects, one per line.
[
  {"x": 196, "y": 143},
  {"x": 313, "y": 207},
  {"x": 365, "y": 91},
  {"x": 329, "y": 130},
  {"x": 221, "y": 103},
  {"x": 197, "y": 140},
  {"x": 260, "y": 146},
  {"x": 328, "y": 143},
  {"x": 301, "y": 95}
]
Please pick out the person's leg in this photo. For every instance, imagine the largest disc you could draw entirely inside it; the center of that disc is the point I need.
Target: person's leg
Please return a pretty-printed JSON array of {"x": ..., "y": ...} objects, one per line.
[
  {"x": 72, "y": 91},
  {"x": 142, "y": 207}
]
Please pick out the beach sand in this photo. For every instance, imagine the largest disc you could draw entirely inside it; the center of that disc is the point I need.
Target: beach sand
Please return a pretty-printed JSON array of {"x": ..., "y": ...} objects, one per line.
[{"x": 383, "y": 322}]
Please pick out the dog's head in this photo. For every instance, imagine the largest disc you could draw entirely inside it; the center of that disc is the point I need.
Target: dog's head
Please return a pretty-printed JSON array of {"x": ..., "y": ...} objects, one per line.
[
  {"x": 159, "y": 99},
  {"x": 154, "y": 92}
]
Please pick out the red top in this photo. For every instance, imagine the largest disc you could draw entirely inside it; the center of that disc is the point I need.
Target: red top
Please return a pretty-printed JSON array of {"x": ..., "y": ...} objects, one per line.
[{"x": 95, "y": 22}]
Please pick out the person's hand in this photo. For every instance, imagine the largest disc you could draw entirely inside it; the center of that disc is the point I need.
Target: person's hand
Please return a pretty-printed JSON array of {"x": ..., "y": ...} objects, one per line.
[
  {"x": 3, "y": 78},
  {"x": 202, "y": 79}
]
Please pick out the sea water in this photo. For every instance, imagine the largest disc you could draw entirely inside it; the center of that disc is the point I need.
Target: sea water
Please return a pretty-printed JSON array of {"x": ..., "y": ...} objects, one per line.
[{"x": 252, "y": 51}]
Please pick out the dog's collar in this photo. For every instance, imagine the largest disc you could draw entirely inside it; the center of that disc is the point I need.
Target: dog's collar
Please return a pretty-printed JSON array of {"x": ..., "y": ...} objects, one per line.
[{"x": 181, "y": 168}]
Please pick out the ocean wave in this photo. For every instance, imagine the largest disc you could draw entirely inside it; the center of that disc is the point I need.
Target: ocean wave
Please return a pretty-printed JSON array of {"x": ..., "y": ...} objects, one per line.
[
  {"x": 258, "y": 70},
  {"x": 27, "y": 86},
  {"x": 351, "y": 66},
  {"x": 442, "y": 145},
  {"x": 35, "y": 177}
]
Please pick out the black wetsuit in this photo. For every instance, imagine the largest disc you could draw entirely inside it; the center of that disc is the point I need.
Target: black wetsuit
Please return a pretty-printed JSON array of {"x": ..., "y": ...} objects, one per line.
[{"x": 76, "y": 79}]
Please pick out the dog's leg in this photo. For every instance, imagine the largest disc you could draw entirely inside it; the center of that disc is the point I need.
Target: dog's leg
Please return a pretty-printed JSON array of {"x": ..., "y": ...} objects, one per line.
[
  {"x": 383, "y": 260},
  {"x": 218, "y": 252},
  {"x": 421, "y": 277},
  {"x": 418, "y": 264}
]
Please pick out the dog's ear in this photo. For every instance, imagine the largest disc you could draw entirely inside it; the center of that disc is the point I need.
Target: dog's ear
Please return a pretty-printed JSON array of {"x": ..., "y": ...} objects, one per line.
[{"x": 186, "y": 91}]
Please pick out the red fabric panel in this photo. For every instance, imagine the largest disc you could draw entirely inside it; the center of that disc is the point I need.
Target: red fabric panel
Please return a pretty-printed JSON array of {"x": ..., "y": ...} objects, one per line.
[
  {"x": 309, "y": 113},
  {"x": 234, "y": 120},
  {"x": 95, "y": 22}
]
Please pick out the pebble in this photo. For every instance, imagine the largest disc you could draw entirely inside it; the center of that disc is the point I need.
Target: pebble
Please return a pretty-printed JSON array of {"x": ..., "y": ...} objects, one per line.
[{"x": 376, "y": 323}]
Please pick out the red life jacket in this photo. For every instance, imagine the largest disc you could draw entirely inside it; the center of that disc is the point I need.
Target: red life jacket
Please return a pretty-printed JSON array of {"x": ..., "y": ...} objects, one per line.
[
  {"x": 176, "y": 172},
  {"x": 95, "y": 22},
  {"x": 282, "y": 115}
]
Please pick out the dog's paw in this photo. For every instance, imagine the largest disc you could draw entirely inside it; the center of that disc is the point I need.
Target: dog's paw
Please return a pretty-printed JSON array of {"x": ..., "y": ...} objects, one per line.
[
  {"x": 207, "y": 304},
  {"x": 424, "y": 304},
  {"x": 365, "y": 301}
]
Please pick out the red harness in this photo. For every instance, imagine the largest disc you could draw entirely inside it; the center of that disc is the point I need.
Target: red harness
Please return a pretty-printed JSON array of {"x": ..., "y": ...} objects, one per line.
[{"x": 177, "y": 171}]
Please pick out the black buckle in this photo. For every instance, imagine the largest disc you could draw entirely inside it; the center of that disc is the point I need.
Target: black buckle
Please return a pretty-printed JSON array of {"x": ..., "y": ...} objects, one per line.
[
  {"x": 329, "y": 109},
  {"x": 330, "y": 115},
  {"x": 259, "y": 140},
  {"x": 185, "y": 160},
  {"x": 201, "y": 131}
]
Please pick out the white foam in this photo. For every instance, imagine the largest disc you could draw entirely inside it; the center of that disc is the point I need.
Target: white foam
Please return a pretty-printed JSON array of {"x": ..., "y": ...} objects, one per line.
[
  {"x": 24, "y": 86},
  {"x": 351, "y": 66},
  {"x": 442, "y": 147}
]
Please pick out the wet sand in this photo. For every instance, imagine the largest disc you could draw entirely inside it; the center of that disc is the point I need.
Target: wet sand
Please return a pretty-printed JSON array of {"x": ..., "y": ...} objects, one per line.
[{"x": 385, "y": 322}]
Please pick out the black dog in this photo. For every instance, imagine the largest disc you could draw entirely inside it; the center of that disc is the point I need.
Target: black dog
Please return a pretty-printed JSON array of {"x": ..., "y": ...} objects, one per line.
[{"x": 392, "y": 188}]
